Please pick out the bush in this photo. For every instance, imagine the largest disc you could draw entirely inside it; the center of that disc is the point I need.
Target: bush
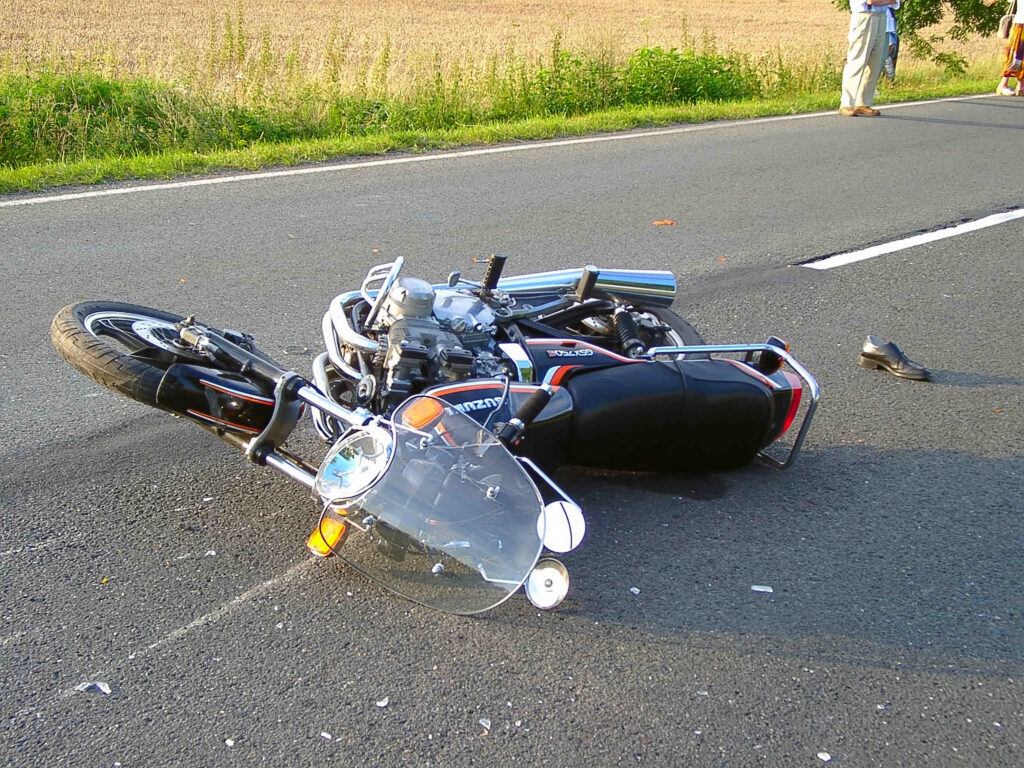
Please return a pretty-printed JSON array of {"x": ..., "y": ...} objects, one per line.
[{"x": 656, "y": 76}]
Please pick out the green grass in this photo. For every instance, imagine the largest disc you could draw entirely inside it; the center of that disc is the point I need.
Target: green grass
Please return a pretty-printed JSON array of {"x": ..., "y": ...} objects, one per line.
[{"x": 80, "y": 125}]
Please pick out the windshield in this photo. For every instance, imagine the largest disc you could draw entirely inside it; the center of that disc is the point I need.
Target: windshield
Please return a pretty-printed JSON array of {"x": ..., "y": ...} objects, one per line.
[{"x": 453, "y": 521}]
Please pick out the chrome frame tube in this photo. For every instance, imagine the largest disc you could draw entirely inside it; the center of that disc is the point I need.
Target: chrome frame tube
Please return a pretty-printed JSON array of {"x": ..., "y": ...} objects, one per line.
[
  {"x": 389, "y": 279},
  {"x": 289, "y": 469},
  {"x": 313, "y": 397},
  {"x": 341, "y": 325},
  {"x": 334, "y": 350}
]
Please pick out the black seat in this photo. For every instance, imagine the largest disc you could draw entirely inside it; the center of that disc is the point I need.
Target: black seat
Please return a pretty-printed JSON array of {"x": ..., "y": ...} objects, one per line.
[{"x": 682, "y": 415}]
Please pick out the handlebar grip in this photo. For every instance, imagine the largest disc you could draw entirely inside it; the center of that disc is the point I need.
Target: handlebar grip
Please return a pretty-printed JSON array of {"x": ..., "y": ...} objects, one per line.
[
  {"x": 530, "y": 410},
  {"x": 534, "y": 404},
  {"x": 585, "y": 285},
  {"x": 495, "y": 265}
]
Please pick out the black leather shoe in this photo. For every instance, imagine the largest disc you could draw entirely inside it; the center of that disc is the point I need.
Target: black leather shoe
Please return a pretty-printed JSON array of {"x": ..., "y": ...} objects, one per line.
[{"x": 877, "y": 354}]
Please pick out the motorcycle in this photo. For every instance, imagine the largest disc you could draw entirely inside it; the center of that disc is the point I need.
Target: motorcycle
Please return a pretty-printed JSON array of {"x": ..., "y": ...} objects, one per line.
[{"x": 447, "y": 407}]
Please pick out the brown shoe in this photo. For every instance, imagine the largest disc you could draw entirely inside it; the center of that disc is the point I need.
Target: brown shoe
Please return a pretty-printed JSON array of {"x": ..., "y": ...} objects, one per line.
[
  {"x": 847, "y": 111},
  {"x": 866, "y": 111}
]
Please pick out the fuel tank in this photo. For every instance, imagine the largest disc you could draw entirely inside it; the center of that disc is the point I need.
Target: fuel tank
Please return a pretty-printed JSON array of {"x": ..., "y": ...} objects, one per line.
[{"x": 546, "y": 440}]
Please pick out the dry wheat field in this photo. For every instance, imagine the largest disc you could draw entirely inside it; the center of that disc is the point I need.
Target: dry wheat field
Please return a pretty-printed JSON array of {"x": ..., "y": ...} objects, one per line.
[
  {"x": 159, "y": 31},
  {"x": 167, "y": 38}
]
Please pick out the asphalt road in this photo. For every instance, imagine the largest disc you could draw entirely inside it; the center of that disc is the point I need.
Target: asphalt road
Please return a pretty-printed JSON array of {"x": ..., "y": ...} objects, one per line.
[{"x": 138, "y": 551}]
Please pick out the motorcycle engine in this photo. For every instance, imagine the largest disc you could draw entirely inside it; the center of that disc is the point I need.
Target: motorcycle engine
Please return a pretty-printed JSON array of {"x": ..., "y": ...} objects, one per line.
[{"x": 433, "y": 336}]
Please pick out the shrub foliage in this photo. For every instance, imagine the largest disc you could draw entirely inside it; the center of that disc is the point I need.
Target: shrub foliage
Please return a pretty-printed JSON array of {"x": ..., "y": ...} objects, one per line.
[{"x": 62, "y": 115}]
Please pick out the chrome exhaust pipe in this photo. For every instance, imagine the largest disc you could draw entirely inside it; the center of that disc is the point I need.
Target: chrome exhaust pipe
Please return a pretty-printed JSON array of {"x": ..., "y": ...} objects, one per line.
[{"x": 652, "y": 288}]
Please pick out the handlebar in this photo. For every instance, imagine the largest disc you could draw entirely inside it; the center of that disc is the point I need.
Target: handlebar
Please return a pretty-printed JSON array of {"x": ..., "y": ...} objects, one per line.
[
  {"x": 529, "y": 411},
  {"x": 495, "y": 265}
]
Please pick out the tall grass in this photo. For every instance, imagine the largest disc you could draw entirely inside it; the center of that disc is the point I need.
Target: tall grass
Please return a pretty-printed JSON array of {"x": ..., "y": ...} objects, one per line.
[{"x": 242, "y": 91}]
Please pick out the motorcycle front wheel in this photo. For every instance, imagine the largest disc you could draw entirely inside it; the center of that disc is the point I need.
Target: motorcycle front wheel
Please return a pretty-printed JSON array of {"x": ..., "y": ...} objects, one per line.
[{"x": 125, "y": 347}]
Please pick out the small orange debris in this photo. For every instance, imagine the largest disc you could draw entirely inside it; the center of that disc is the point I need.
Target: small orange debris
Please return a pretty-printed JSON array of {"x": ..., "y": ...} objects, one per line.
[{"x": 664, "y": 223}]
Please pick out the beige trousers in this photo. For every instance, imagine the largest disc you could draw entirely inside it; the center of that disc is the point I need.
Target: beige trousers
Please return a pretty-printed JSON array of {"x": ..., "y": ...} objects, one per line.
[{"x": 864, "y": 59}]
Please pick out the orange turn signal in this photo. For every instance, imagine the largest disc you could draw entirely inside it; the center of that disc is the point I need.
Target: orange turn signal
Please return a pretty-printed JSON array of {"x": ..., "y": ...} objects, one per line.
[
  {"x": 421, "y": 412},
  {"x": 325, "y": 536}
]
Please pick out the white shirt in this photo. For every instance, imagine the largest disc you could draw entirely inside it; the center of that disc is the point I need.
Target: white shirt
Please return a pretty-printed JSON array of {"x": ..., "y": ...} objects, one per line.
[
  {"x": 1018, "y": 17},
  {"x": 858, "y": 6}
]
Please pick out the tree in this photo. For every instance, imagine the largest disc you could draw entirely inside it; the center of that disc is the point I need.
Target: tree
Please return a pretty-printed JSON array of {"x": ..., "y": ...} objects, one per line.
[{"x": 970, "y": 17}]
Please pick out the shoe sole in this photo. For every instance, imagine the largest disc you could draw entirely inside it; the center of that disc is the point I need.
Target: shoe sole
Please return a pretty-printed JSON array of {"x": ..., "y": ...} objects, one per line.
[{"x": 874, "y": 365}]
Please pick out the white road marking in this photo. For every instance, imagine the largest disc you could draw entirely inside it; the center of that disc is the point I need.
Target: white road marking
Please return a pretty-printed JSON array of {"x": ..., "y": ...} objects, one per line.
[
  {"x": 842, "y": 259},
  {"x": 207, "y": 619},
  {"x": 437, "y": 157}
]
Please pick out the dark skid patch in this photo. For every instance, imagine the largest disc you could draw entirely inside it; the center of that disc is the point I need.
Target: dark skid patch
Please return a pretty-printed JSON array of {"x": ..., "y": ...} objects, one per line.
[{"x": 699, "y": 487}]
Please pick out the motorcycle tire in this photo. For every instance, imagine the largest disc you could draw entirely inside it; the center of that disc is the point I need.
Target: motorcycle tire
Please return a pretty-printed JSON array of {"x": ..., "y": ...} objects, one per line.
[
  {"x": 680, "y": 334},
  {"x": 686, "y": 334},
  {"x": 124, "y": 347}
]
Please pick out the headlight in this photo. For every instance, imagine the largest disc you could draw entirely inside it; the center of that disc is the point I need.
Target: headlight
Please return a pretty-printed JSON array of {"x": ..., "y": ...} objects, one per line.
[{"x": 354, "y": 464}]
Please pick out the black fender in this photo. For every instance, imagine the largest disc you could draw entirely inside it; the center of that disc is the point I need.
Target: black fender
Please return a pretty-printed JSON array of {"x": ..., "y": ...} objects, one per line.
[{"x": 216, "y": 399}]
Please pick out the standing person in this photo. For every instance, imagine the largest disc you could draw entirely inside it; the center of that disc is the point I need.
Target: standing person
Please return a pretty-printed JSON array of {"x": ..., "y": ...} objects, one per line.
[
  {"x": 1014, "y": 63},
  {"x": 865, "y": 57},
  {"x": 893, "y": 39}
]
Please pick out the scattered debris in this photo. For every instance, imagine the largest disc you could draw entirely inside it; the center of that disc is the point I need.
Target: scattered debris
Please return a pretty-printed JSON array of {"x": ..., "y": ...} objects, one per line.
[
  {"x": 664, "y": 223},
  {"x": 210, "y": 553},
  {"x": 635, "y": 590},
  {"x": 703, "y": 693},
  {"x": 382, "y": 702},
  {"x": 325, "y": 736},
  {"x": 89, "y": 685},
  {"x": 824, "y": 757},
  {"x": 207, "y": 499},
  {"x": 761, "y": 588},
  {"x": 229, "y": 742},
  {"x": 486, "y": 723}
]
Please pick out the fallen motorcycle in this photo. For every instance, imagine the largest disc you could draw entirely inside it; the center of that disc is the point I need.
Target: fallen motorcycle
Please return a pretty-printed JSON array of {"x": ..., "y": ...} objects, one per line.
[{"x": 447, "y": 407}]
